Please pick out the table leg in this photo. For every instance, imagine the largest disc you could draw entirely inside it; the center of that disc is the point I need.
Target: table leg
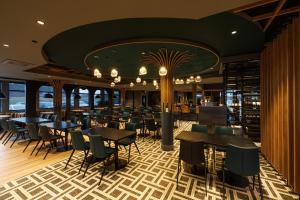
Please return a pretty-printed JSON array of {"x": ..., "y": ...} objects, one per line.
[
  {"x": 116, "y": 156},
  {"x": 66, "y": 138}
]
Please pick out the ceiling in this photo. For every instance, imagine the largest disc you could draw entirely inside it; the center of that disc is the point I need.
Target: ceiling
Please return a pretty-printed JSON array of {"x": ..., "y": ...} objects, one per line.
[{"x": 19, "y": 27}]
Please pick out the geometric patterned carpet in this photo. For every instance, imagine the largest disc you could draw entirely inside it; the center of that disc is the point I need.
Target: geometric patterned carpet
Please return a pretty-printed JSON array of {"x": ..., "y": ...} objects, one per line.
[{"x": 151, "y": 175}]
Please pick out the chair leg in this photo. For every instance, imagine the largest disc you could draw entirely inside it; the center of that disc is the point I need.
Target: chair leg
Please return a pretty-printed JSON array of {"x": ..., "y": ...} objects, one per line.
[
  {"x": 205, "y": 173},
  {"x": 18, "y": 135},
  {"x": 137, "y": 147},
  {"x": 49, "y": 148},
  {"x": 86, "y": 169},
  {"x": 223, "y": 180},
  {"x": 129, "y": 153},
  {"x": 253, "y": 180},
  {"x": 84, "y": 159},
  {"x": 8, "y": 138},
  {"x": 37, "y": 144},
  {"x": 40, "y": 148},
  {"x": 260, "y": 187},
  {"x": 27, "y": 145},
  {"x": 69, "y": 158},
  {"x": 103, "y": 172},
  {"x": 3, "y": 134}
]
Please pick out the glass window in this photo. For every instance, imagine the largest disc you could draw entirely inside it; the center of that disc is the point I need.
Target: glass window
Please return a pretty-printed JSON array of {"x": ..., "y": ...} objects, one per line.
[
  {"x": 97, "y": 101},
  {"x": 17, "y": 98},
  {"x": 45, "y": 103},
  {"x": 84, "y": 97},
  {"x": 72, "y": 100},
  {"x": 63, "y": 99},
  {"x": 116, "y": 98}
]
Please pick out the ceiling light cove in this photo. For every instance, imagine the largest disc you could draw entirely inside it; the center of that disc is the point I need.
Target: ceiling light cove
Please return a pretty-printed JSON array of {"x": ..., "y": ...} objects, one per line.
[{"x": 40, "y": 22}]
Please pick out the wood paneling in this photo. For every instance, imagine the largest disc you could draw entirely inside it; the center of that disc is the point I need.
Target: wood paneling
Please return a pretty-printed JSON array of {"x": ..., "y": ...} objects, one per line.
[{"x": 280, "y": 99}]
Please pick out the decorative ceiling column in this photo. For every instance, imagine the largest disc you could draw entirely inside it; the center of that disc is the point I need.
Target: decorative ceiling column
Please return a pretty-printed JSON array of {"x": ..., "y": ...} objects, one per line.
[
  {"x": 167, "y": 59},
  {"x": 57, "y": 88},
  {"x": 123, "y": 96}
]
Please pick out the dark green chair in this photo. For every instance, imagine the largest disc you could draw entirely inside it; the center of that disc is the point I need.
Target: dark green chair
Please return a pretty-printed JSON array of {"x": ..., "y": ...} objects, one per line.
[
  {"x": 33, "y": 136},
  {"x": 244, "y": 162},
  {"x": 5, "y": 129},
  {"x": 54, "y": 118},
  {"x": 113, "y": 124},
  {"x": 199, "y": 128},
  {"x": 14, "y": 130},
  {"x": 99, "y": 152},
  {"x": 129, "y": 140},
  {"x": 79, "y": 144},
  {"x": 223, "y": 130},
  {"x": 46, "y": 136},
  {"x": 85, "y": 123},
  {"x": 192, "y": 153},
  {"x": 137, "y": 121}
]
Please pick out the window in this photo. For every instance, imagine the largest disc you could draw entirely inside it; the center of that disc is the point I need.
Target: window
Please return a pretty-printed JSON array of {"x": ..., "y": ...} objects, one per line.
[
  {"x": 17, "y": 98},
  {"x": 84, "y": 97},
  {"x": 72, "y": 100},
  {"x": 97, "y": 101},
  {"x": 45, "y": 103},
  {"x": 63, "y": 99},
  {"x": 116, "y": 98}
]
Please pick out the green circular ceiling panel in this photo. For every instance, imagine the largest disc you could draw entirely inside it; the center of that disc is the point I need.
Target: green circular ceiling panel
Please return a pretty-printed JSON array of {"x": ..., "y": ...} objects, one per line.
[{"x": 90, "y": 45}]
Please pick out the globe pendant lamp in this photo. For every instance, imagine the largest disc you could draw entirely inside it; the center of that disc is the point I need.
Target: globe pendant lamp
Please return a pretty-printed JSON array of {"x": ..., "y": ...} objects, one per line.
[
  {"x": 163, "y": 71},
  {"x": 143, "y": 71},
  {"x": 48, "y": 96}
]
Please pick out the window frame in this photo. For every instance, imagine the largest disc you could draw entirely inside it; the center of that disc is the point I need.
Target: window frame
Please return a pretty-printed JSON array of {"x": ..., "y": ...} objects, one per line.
[{"x": 14, "y": 90}]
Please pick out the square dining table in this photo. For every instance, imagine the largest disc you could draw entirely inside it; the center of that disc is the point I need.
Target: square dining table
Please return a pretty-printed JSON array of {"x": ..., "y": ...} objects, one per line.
[{"x": 114, "y": 135}]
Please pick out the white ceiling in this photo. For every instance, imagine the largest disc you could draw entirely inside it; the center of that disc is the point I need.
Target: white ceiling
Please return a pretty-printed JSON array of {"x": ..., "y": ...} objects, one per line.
[{"x": 18, "y": 23}]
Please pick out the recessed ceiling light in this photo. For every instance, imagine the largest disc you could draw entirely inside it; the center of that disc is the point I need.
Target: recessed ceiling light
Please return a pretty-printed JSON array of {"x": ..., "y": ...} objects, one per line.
[
  {"x": 49, "y": 76},
  {"x": 233, "y": 32},
  {"x": 211, "y": 68},
  {"x": 96, "y": 57},
  {"x": 40, "y": 22},
  {"x": 143, "y": 53},
  {"x": 6, "y": 45}
]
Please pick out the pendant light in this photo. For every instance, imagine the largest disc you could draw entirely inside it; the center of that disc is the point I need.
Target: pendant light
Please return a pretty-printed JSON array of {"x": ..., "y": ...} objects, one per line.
[
  {"x": 77, "y": 96},
  {"x": 48, "y": 96},
  {"x": 163, "y": 71}
]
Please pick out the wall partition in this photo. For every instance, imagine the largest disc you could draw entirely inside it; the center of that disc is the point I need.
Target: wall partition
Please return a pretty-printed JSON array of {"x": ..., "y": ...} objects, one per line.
[{"x": 280, "y": 99}]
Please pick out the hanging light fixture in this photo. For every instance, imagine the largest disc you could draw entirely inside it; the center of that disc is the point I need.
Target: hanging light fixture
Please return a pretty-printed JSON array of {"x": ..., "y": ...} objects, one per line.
[
  {"x": 155, "y": 82},
  {"x": 119, "y": 79},
  {"x": 138, "y": 79},
  {"x": 131, "y": 84},
  {"x": 48, "y": 96},
  {"x": 144, "y": 82},
  {"x": 188, "y": 81},
  {"x": 177, "y": 81},
  {"x": 114, "y": 73},
  {"x": 157, "y": 87},
  {"x": 2, "y": 95},
  {"x": 97, "y": 73},
  {"x": 98, "y": 96},
  {"x": 198, "y": 79},
  {"x": 142, "y": 71},
  {"x": 163, "y": 71},
  {"x": 77, "y": 96},
  {"x": 112, "y": 84}
]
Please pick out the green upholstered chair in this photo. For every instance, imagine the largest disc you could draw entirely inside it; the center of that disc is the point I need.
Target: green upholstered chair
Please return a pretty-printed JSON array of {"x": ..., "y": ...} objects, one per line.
[
  {"x": 33, "y": 136},
  {"x": 192, "y": 153},
  {"x": 223, "y": 130},
  {"x": 79, "y": 144},
  {"x": 199, "y": 128},
  {"x": 99, "y": 151},
  {"x": 14, "y": 130},
  {"x": 244, "y": 162},
  {"x": 46, "y": 136},
  {"x": 129, "y": 140},
  {"x": 5, "y": 129}
]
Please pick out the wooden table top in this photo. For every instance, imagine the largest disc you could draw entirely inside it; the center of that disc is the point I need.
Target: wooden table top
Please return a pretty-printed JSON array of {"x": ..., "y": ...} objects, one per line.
[
  {"x": 34, "y": 120},
  {"x": 4, "y": 116},
  {"x": 62, "y": 125},
  {"x": 111, "y": 133},
  {"x": 216, "y": 140}
]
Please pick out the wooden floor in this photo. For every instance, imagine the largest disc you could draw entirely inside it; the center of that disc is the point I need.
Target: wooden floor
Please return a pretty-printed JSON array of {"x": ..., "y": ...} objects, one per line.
[{"x": 15, "y": 164}]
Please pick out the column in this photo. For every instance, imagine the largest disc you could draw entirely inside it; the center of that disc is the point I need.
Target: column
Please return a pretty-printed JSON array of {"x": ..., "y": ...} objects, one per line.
[
  {"x": 194, "y": 92},
  {"x": 31, "y": 97},
  {"x": 91, "y": 97},
  {"x": 57, "y": 88},
  {"x": 68, "y": 90},
  {"x": 123, "y": 96}
]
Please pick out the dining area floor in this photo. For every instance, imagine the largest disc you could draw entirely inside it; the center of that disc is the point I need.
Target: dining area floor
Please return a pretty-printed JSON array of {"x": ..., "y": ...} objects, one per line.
[{"x": 149, "y": 175}]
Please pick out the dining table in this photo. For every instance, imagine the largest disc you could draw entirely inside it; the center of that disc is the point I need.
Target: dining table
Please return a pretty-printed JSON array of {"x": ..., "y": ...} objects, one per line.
[
  {"x": 62, "y": 126},
  {"x": 5, "y": 116},
  {"x": 115, "y": 135},
  {"x": 33, "y": 120},
  {"x": 217, "y": 140}
]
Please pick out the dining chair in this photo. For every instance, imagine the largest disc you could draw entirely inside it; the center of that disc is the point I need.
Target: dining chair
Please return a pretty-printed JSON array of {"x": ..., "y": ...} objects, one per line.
[
  {"x": 244, "y": 162},
  {"x": 151, "y": 126},
  {"x": 85, "y": 123},
  {"x": 54, "y": 118},
  {"x": 199, "y": 128},
  {"x": 100, "y": 152},
  {"x": 113, "y": 124},
  {"x": 192, "y": 153},
  {"x": 5, "y": 129},
  {"x": 46, "y": 136},
  {"x": 223, "y": 130},
  {"x": 100, "y": 119},
  {"x": 79, "y": 144},
  {"x": 14, "y": 130},
  {"x": 129, "y": 140},
  {"x": 33, "y": 136}
]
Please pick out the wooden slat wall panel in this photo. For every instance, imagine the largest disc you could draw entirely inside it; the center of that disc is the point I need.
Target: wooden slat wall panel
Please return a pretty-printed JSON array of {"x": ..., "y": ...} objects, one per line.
[{"x": 280, "y": 99}]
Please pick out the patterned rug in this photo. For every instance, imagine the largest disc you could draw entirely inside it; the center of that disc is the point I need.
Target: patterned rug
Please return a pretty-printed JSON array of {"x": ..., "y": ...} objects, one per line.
[{"x": 151, "y": 175}]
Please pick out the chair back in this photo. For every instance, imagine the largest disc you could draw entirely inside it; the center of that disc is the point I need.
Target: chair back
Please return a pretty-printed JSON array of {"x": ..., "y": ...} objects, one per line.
[
  {"x": 150, "y": 124},
  {"x": 54, "y": 118},
  {"x": 130, "y": 126},
  {"x": 223, "y": 130},
  {"x": 113, "y": 124},
  {"x": 12, "y": 126},
  {"x": 44, "y": 132},
  {"x": 157, "y": 115},
  {"x": 199, "y": 128},
  {"x": 85, "y": 122},
  {"x": 78, "y": 141},
  {"x": 97, "y": 146},
  {"x": 32, "y": 131},
  {"x": 74, "y": 119},
  {"x": 192, "y": 152},
  {"x": 136, "y": 121},
  {"x": 242, "y": 161},
  {"x": 4, "y": 125}
]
